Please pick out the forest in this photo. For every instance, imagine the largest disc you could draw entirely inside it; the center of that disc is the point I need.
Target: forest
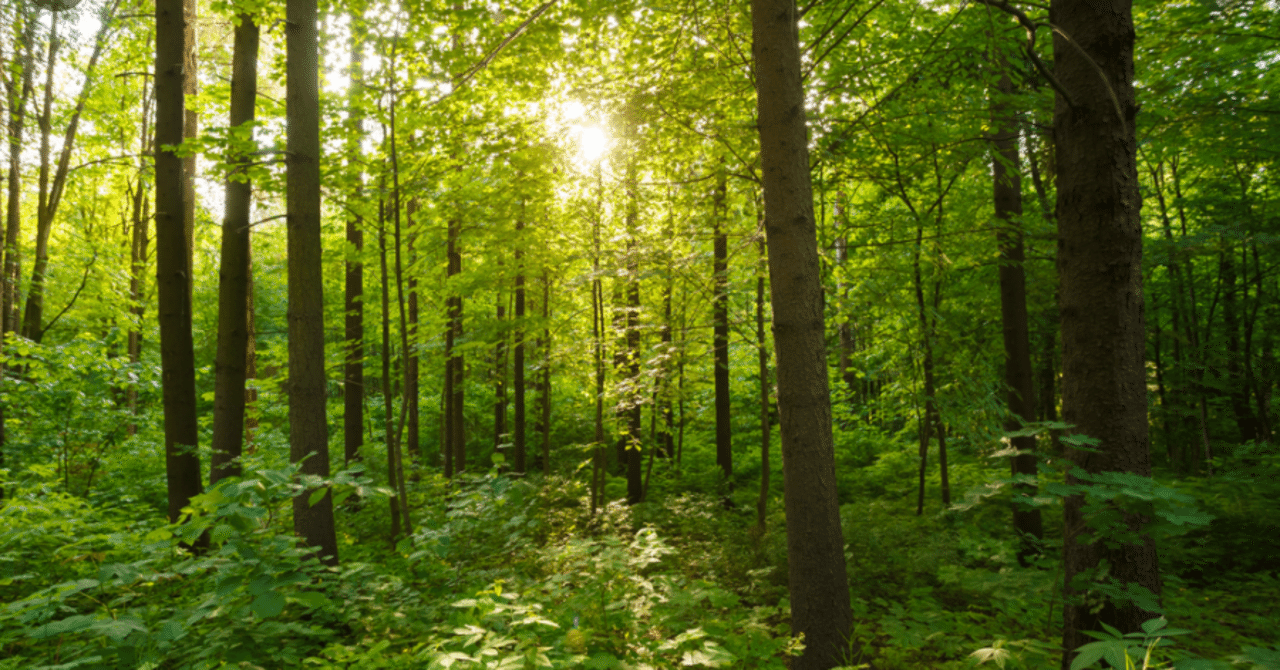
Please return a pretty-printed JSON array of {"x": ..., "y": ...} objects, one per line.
[{"x": 523, "y": 334}]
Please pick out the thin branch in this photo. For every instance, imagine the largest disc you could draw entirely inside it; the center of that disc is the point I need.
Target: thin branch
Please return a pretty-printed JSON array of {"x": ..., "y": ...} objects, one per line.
[
  {"x": 83, "y": 282},
  {"x": 484, "y": 62}
]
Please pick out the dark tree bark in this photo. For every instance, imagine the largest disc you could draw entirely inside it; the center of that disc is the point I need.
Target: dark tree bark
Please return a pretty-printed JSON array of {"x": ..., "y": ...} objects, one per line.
[
  {"x": 1018, "y": 375},
  {"x": 544, "y": 423},
  {"x": 720, "y": 329},
  {"x": 762, "y": 349},
  {"x": 19, "y": 94},
  {"x": 33, "y": 314},
  {"x": 353, "y": 381},
  {"x": 388, "y": 400},
  {"x": 598, "y": 464},
  {"x": 818, "y": 580},
  {"x": 411, "y": 365},
  {"x": 455, "y": 365},
  {"x": 1100, "y": 276},
  {"x": 518, "y": 359},
  {"x": 173, "y": 271},
  {"x": 233, "y": 288},
  {"x": 395, "y": 446},
  {"x": 308, "y": 427},
  {"x": 631, "y": 396},
  {"x": 501, "y": 432}
]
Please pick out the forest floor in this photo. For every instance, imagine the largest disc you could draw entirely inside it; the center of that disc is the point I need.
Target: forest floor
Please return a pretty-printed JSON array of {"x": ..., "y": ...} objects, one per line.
[{"x": 506, "y": 572}]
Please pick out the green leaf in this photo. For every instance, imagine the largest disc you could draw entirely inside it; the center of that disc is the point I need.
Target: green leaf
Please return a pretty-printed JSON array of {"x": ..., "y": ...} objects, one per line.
[{"x": 268, "y": 605}]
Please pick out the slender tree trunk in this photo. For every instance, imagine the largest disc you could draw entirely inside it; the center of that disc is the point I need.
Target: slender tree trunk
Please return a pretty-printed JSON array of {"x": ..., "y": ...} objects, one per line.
[
  {"x": 25, "y": 50},
  {"x": 233, "y": 287},
  {"x": 388, "y": 401},
  {"x": 632, "y": 398},
  {"x": 1100, "y": 275},
  {"x": 308, "y": 426},
  {"x": 353, "y": 380},
  {"x": 720, "y": 317},
  {"x": 597, "y": 333},
  {"x": 501, "y": 432},
  {"x": 518, "y": 363},
  {"x": 762, "y": 349},
  {"x": 173, "y": 272},
  {"x": 545, "y": 387},
  {"x": 411, "y": 364},
  {"x": 819, "y": 584},
  {"x": 1018, "y": 375},
  {"x": 456, "y": 371},
  {"x": 33, "y": 316},
  {"x": 395, "y": 446}
]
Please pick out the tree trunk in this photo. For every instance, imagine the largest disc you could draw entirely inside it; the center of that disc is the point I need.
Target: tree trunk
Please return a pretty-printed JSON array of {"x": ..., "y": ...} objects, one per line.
[
  {"x": 545, "y": 387},
  {"x": 396, "y": 445},
  {"x": 455, "y": 366},
  {"x": 1100, "y": 278},
  {"x": 308, "y": 427},
  {"x": 1018, "y": 375},
  {"x": 762, "y": 503},
  {"x": 13, "y": 213},
  {"x": 33, "y": 315},
  {"x": 233, "y": 287},
  {"x": 819, "y": 584},
  {"x": 720, "y": 336},
  {"x": 173, "y": 272},
  {"x": 413, "y": 434},
  {"x": 388, "y": 401},
  {"x": 518, "y": 362},
  {"x": 501, "y": 432},
  {"x": 353, "y": 380}
]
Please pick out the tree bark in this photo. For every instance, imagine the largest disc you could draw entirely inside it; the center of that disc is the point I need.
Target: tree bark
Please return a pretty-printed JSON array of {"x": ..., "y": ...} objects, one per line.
[
  {"x": 1018, "y": 375},
  {"x": 762, "y": 349},
  {"x": 518, "y": 358},
  {"x": 720, "y": 328},
  {"x": 1100, "y": 276},
  {"x": 353, "y": 380},
  {"x": 33, "y": 314},
  {"x": 308, "y": 426},
  {"x": 388, "y": 399},
  {"x": 233, "y": 289},
  {"x": 173, "y": 273},
  {"x": 818, "y": 580},
  {"x": 455, "y": 366},
  {"x": 13, "y": 214}
]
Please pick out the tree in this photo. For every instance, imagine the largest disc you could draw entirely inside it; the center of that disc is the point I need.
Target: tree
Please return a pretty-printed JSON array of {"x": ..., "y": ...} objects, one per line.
[
  {"x": 308, "y": 428},
  {"x": 1018, "y": 376},
  {"x": 720, "y": 329},
  {"x": 818, "y": 580},
  {"x": 231, "y": 365},
  {"x": 1104, "y": 386},
  {"x": 173, "y": 269},
  {"x": 353, "y": 390}
]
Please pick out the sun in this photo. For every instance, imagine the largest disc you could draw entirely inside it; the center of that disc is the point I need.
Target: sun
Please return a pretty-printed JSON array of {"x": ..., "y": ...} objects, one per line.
[{"x": 593, "y": 142}]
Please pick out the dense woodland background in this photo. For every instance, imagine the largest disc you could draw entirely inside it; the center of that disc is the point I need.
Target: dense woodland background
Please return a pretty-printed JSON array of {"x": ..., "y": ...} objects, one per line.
[{"x": 547, "y": 355}]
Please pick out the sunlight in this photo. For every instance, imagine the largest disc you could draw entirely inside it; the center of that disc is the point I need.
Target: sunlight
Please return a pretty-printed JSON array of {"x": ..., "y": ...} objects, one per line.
[{"x": 592, "y": 143}]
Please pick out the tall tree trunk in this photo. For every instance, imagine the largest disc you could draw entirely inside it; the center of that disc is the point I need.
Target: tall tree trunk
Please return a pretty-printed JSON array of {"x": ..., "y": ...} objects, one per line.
[
  {"x": 1237, "y": 383},
  {"x": 818, "y": 580},
  {"x": 388, "y": 401},
  {"x": 720, "y": 328},
  {"x": 412, "y": 384},
  {"x": 33, "y": 316},
  {"x": 1104, "y": 392},
  {"x": 396, "y": 445},
  {"x": 762, "y": 349},
  {"x": 456, "y": 366},
  {"x": 544, "y": 427},
  {"x": 1018, "y": 375},
  {"x": 308, "y": 427},
  {"x": 173, "y": 273},
  {"x": 353, "y": 380},
  {"x": 631, "y": 397},
  {"x": 518, "y": 362},
  {"x": 597, "y": 334},
  {"x": 501, "y": 432},
  {"x": 233, "y": 275},
  {"x": 24, "y": 50}
]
